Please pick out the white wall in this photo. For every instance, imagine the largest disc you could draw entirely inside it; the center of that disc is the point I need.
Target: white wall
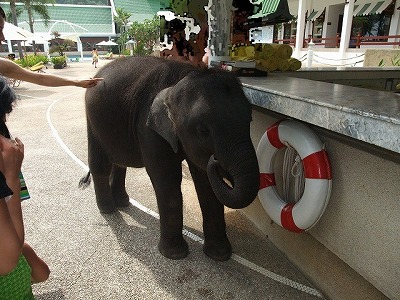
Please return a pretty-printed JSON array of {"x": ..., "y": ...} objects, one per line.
[{"x": 332, "y": 18}]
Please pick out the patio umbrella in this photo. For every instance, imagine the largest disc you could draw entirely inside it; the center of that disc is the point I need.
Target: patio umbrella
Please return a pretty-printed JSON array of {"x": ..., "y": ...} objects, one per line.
[
  {"x": 15, "y": 33},
  {"x": 108, "y": 43},
  {"x": 41, "y": 38}
]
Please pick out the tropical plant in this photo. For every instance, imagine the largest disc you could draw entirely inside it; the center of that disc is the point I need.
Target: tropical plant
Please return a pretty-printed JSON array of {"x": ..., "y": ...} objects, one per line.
[
  {"x": 58, "y": 60},
  {"x": 31, "y": 6},
  {"x": 146, "y": 35},
  {"x": 40, "y": 8},
  {"x": 122, "y": 19},
  {"x": 369, "y": 25},
  {"x": 395, "y": 61},
  {"x": 58, "y": 46},
  {"x": 31, "y": 60},
  {"x": 13, "y": 9}
]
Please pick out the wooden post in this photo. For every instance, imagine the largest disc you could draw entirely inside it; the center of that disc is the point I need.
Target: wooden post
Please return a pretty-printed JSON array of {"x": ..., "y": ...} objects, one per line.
[{"x": 358, "y": 43}]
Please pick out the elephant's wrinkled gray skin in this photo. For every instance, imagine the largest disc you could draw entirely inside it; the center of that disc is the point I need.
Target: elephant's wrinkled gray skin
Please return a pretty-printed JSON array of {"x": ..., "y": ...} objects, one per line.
[{"x": 154, "y": 113}]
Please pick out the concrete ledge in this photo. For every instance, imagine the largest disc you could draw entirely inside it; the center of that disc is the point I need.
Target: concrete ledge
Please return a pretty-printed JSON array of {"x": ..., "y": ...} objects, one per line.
[
  {"x": 365, "y": 115},
  {"x": 379, "y": 78},
  {"x": 360, "y": 128}
]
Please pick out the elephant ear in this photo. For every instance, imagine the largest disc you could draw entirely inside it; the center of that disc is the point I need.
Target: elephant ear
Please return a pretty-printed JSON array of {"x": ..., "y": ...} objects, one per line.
[{"x": 159, "y": 119}]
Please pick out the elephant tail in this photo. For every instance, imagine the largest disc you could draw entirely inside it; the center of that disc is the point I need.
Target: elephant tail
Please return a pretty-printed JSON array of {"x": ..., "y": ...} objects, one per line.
[{"x": 85, "y": 181}]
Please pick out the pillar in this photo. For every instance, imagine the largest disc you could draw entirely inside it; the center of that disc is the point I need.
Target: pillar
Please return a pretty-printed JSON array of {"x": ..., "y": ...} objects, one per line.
[
  {"x": 301, "y": 22},
  {"x": 219, "y": 26},
  {"x": 346, "y": 28}
]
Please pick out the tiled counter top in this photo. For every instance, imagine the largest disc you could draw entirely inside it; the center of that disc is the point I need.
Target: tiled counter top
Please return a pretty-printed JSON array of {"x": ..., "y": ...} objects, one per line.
[{"x": 367, "y": 115}]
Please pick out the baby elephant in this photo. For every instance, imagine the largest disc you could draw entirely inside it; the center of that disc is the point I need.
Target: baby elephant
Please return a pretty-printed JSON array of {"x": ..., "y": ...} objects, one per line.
[{"x": 154, "y": 113}]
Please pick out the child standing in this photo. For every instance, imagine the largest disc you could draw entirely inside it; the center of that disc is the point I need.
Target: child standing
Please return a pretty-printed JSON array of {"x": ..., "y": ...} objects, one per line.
[{"x": 95, "y": 57}]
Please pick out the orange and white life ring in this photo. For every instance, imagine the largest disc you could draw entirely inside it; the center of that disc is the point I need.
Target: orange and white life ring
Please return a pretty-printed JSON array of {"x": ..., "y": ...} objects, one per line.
[{"x": 307, "y": 211}]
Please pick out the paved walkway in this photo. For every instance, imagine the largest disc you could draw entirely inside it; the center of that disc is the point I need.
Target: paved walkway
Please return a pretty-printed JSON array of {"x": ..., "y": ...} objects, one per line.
[{"x": 95, "y": 256}]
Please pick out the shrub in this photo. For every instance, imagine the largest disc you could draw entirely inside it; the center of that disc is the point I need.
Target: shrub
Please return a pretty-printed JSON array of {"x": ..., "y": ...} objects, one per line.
[
  {"x": 31, "y": 60},
  {"x": 58, "y": 60},
  {"x": 126, "y": 52}
]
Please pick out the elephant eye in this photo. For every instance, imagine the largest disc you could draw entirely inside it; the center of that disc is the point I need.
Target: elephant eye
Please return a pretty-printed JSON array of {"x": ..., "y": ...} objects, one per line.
[{"x": 202, "y": 131}]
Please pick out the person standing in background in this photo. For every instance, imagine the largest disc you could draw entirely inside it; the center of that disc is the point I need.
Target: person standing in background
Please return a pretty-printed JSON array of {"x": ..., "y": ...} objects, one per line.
[{"x": 95, "y": 57}]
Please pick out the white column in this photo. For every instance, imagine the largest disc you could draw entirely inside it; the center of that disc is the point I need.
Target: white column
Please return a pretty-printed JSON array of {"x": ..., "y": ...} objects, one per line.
[
  {"x": 46, "y": 48},
  {"x": 301, "y": 22},
  {"x": 219, "y": 24},
  {"x": 79, "y": 46},
  {"x": 281, "y": 32},
  {"x": 346, "y": 28},
  {"x": 10, "y": 50},
  {"x": 395, "y": 22}
]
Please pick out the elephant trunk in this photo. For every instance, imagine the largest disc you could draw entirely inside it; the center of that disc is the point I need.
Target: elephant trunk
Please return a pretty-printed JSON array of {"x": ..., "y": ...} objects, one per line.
[{"x": 234, "y": 177}]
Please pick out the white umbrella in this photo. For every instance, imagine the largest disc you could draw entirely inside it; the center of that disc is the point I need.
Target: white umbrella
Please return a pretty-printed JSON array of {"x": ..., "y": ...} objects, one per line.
[
  {"x": 14, "y": 33},
  {"x": 72, "y": 36},
  {"x": 40, "y": 38},
  {"x": 108, "y": 43}
]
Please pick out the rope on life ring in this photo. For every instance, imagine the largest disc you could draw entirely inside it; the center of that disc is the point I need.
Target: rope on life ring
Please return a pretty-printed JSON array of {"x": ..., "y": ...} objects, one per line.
[{"x": 307, "y": 211}]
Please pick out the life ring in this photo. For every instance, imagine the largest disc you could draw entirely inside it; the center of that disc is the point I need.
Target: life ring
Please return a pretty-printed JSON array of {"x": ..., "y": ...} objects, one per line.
[{"x": 307, "y": 211}]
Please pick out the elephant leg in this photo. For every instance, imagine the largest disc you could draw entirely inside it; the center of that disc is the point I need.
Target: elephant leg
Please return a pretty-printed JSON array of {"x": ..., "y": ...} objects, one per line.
[
  {"x": 100, "y": 167},
  {"x": 216, "y": 242},
  {"x": 166, "y": 176},
  {"x": 104, "y": 198},
  {"x": 117, "y": 182}
]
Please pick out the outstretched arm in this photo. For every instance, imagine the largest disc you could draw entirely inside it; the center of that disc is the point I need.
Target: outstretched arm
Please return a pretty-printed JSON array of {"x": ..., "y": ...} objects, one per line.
[{"x": 10, "y": 69}]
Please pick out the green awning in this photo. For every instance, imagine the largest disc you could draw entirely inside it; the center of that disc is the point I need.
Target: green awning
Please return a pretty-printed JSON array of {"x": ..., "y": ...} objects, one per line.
[
  {"x": 273, "y": 12},
  {"x": 315, "y": 14},
  {"x": 369, "y": 7}
]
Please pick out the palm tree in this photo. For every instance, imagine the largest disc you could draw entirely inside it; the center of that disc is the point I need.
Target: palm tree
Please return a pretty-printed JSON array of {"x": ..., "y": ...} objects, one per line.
[
  {"x": 31, "y": 6},
  {"x": 13, "y": 9},
  {"x": 40, "y": 8},
  {"x": 122, "y": 19}
]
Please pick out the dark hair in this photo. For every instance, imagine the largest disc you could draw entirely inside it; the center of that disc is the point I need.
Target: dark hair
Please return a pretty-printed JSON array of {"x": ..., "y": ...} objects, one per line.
[
  {"x": 2, "y": 13},
  {"x": 7, "y": 98}
]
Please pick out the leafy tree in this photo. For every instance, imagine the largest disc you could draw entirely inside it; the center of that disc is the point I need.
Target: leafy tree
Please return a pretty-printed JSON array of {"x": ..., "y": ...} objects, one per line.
[
  {"x": 122, "y": 20},
  {"x": 145, "y": 34},
  {"x": 14, "y": 15},
  {"x": 60, "y": 47},
  {"x": 370, "y": 25},
  {"x": 40, "y": 8},
  {"x": 31, "y": 6}
]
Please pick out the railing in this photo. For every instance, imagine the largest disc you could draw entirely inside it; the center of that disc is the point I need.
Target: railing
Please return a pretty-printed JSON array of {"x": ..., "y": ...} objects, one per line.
[
  {"x": 375, "y": 40},
  {"x": 355, "y": 42},
  {"x": 328, "y": 42}
]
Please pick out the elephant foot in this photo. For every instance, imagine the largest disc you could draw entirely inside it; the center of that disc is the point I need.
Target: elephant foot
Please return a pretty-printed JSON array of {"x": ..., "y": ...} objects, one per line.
[
  {"x": 173, "y": 248},
  {"x": 106, "y": 207},
  {"x": 121, "y": 200},
  {"x": 219, "y": 250}
]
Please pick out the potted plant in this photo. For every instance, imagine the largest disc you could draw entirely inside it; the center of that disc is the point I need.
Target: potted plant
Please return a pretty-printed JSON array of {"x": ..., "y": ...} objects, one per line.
[{"x": 58, "y": 62}]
